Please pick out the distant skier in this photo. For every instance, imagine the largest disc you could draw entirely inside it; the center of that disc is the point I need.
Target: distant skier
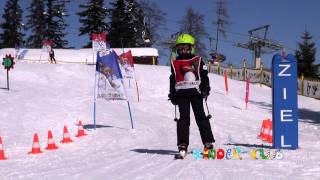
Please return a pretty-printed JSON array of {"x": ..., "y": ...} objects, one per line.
[
  {"x": 51, "y": 55},
  {"x": 189, "y": 84}
]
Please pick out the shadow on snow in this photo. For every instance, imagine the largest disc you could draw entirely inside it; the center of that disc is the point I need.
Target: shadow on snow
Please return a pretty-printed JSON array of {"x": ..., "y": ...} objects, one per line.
[
  {"x": 308, "y": 116},
  {"x": 155, "y": 151}
]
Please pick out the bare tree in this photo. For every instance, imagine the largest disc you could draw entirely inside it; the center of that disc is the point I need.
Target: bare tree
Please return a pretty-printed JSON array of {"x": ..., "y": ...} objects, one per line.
[
  {"x": 153, "y": 19},
  {"x": 193, "y": 23}
]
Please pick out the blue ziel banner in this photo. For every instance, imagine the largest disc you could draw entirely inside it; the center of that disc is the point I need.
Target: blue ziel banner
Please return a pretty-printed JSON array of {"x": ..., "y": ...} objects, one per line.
[{"x": 284, "y": 102}]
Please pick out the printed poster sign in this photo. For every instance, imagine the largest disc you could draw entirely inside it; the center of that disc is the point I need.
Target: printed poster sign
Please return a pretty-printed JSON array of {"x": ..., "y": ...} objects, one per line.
[{"x": 109, "y": 78}]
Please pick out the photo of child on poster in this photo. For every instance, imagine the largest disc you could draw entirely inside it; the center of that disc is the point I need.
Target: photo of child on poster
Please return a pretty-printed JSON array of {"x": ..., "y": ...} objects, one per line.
[
  {"x": 126, "y": 65},
  {"x": 109, "y": 78},
  {"x": 187, "y": 73}
]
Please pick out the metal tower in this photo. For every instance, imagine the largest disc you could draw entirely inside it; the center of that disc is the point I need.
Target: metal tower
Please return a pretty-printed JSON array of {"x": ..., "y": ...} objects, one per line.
[{"x": 260, "y": 45}]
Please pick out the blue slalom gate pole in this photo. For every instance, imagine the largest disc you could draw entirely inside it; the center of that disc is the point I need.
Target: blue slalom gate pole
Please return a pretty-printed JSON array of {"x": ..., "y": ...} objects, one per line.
[
  {"x": 94, "y": 101},
  {"x": 94, "y": 115},
  {"x": 130, "y": 114}
]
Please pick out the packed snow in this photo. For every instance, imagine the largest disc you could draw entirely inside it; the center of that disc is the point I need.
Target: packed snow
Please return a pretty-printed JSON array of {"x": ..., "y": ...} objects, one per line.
[{"x": 46, "y": 97}]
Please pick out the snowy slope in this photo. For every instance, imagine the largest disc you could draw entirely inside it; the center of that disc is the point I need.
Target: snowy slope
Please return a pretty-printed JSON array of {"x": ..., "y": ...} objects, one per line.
[
  {"x": 69, "y": 55},
  {"x": 47, "y": 96}
]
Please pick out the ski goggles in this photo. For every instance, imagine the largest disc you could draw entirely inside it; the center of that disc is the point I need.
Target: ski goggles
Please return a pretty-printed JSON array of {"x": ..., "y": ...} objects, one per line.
[{"x": 183, "y": 48}]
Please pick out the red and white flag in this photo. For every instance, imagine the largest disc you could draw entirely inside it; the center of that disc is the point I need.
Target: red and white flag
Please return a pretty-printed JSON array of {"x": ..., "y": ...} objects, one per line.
[
  {"x": 99, "y": 42},
  {"x": 127, "y": 65},
  {"x": 47, "y": 45}
]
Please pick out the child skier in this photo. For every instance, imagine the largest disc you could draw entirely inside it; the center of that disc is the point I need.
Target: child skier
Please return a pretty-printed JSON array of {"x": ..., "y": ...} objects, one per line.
[
  {"x": 189, "y": 84},
  {"x": 51, "y": 55}
]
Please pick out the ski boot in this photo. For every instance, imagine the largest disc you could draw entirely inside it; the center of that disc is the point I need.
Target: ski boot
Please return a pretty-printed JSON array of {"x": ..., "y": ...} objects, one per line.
[
  {"x": 207, "y": 147},
  {"x": 183, "y": 150}
]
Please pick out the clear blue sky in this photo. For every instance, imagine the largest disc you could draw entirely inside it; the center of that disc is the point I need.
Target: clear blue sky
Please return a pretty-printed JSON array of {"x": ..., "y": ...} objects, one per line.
[{"x": 287, "y": 20}]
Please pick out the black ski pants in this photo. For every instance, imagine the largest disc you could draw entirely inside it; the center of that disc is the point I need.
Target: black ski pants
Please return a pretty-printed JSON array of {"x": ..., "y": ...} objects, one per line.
[{"x": 183, "y": 124}]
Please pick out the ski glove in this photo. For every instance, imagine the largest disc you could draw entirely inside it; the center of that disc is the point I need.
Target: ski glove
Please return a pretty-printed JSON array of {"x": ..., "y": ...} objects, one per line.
[
  {"x": 172, "y": 98},
  {"x": 205, "y": 92}
]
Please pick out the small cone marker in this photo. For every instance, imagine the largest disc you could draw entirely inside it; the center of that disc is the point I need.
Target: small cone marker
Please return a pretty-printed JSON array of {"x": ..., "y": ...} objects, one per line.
[
  {"x": 269, "y": 136},
  {"x": 2, "y": 157},
  {"x": 263, "y": 126},
  {"x": 35, "y": 146},
  {"x": 51, "y": 144},
  {"x": 80, "y": 130},
  {"x": 266, "y": 130},
  {"x": 66, "y": 137}
]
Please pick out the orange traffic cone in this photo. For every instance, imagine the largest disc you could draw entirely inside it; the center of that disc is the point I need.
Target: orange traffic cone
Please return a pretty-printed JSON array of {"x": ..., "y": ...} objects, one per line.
[
  {"x": 66, "y": 137},
  {"x": 266, "y": 130},
  {"x": 51, "y": 144},
  {"x": 80, "y": 130},
  {"x": 269, "y": 136},
  {"x": 262, "y": 129},
  {"x": 2, "y": 157},
  {"x": 35, "y": 146}
]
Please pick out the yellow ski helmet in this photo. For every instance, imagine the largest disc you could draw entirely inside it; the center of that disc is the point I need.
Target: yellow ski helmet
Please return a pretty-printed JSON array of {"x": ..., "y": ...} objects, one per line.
[{"x": 186, "y": 39}]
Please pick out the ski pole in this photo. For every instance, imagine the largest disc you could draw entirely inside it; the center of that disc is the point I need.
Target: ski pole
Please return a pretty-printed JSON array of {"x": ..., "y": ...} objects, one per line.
[
  {"x": 209, "y": 115},
  {"x": 175, "y": 113}
]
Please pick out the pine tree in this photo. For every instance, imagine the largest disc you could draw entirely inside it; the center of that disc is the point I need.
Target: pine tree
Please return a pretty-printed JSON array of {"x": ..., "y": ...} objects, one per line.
[
  {"x": 55, "y": 23},
  {"x": 193, "y": 23},
  {"x": 126, "y": 26},
  {"x": 92, "y": 18},
  {"x": 137, "y": 17},
  {"x": 36, "y": 23},
  {"x": 12, "y": 25},
  {"x": 120, "y": 33},
  {"x": 306, "y": 56}
]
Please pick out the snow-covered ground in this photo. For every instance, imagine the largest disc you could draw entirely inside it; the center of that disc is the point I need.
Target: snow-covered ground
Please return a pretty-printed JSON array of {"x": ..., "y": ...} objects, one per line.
[
  {"x": 49, "y": 96},
  {"x": 69, "y": 55}
]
